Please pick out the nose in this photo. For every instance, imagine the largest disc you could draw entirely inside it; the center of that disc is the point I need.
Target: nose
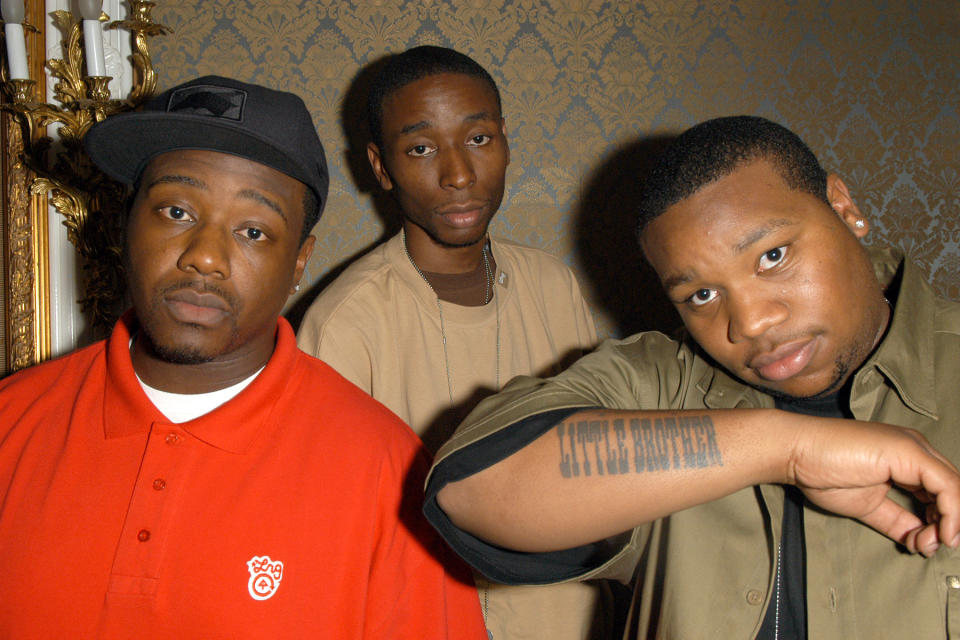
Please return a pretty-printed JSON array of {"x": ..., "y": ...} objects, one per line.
[
  {"x": 206, "y": 252},
  {"x": 753, "y": 313},
  {"x": 457, "y": 170}
]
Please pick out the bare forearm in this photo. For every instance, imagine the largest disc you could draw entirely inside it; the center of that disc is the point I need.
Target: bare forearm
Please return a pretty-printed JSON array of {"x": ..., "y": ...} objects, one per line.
[{"x": 602, "y": 472}]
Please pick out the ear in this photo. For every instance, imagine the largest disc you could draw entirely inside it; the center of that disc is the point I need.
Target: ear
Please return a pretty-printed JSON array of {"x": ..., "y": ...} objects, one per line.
[
  {"x": 842, "y": 204},
  {"x": 503, "y": 131},
  {"x": 379, "y": 170},
  {"x": 303, "y": 255}
]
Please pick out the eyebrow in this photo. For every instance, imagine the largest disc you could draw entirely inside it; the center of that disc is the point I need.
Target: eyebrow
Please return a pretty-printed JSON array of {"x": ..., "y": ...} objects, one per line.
[
  {"x": 676, "y": 281},
  {"x": 249, "y": 194},
  {"x": 479, "y": 115},
  {"x": 423, "y": 124},
  {"x": 760, "y": 233},
  {"x": 178, "y": 179},
  {"x": 256, "y": 196},
  {"x": 751, "y": 239}
]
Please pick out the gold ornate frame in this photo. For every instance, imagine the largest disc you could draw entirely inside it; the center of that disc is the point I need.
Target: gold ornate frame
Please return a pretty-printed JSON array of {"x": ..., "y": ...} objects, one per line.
[
  {"x": 26, "y": 267},
  {"x": 90, "y": 203}
]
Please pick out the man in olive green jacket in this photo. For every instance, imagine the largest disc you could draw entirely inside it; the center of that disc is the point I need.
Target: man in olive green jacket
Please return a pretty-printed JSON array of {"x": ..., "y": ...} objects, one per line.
[{"x": 787, "y": 472}]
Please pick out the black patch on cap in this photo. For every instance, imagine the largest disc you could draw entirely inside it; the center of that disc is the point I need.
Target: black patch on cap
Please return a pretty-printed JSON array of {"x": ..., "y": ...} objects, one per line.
[{"x": 209, "y": 100}]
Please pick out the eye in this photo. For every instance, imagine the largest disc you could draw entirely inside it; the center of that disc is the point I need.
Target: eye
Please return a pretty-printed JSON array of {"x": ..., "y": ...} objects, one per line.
[
  {"x": 701, "y": 297},
  {"x": 174, "y": 213},
  {"x": 772, "y": 258},
  {"x": 252, "y": 233},
  {"x": 420, "y": 150},
  {"x": 479, "y": 140}
]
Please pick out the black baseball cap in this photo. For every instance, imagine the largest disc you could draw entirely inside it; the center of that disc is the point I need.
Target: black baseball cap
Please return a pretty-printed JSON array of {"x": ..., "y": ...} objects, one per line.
[{"x": 213, "y": 113}]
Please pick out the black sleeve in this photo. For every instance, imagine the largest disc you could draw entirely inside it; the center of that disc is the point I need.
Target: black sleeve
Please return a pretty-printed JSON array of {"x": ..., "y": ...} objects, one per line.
[{"x": 499, "y": 564}]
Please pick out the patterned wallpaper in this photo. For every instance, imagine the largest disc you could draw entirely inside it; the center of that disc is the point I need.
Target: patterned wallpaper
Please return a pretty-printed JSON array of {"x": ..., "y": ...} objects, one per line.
[{"x": 591, "y": 89}]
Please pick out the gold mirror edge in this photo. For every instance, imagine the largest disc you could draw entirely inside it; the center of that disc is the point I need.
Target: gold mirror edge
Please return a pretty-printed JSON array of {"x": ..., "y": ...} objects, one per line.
[
  {"x": 27, "y": 316},
  {"x": 42, "y": 349}
]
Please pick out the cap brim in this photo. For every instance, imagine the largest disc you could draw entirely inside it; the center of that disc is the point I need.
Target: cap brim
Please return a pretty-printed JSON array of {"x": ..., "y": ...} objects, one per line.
[{"x": 123, "y": 145}]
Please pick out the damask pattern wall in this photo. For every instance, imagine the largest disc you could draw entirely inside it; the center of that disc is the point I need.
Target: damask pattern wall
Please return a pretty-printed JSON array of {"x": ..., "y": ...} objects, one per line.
[{"x": 592, "y": 89}]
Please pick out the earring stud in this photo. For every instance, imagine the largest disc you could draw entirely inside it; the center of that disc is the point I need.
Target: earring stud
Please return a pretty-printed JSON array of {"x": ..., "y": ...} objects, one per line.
[{"x": 859, "y": 224}]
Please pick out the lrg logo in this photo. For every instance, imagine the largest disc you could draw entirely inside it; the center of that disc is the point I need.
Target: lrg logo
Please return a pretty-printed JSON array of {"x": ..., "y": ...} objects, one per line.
[{"x": 265, "y": 576}]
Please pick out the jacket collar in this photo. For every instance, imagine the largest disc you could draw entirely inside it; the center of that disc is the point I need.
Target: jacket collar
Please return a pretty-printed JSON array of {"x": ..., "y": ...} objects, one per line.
[
  {"x": 907, "y": 352},
  {"x": 723, "y": 391}
]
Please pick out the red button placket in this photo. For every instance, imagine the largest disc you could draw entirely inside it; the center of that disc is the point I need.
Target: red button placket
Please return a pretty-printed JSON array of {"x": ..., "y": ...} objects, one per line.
[{"x": 152, "y": 507}]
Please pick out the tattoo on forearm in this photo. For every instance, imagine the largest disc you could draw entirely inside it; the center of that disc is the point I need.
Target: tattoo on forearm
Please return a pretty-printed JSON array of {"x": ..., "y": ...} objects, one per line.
[{"x": 604, "y": 447}]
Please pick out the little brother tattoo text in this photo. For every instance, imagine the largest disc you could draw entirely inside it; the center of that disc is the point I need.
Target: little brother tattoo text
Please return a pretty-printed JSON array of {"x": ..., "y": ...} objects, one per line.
[{"x": 605, "y": 447}]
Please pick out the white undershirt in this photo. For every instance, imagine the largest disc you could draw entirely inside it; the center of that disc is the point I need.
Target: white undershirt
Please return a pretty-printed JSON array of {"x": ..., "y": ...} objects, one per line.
[{"x": 184, "y": 407}]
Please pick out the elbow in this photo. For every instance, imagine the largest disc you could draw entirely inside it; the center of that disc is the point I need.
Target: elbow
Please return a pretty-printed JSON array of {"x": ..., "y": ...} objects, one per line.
[
  {"x": 477, "y": 508},
  {"x": 457, "y": 501},
  {"x": 493, "y": 516}
]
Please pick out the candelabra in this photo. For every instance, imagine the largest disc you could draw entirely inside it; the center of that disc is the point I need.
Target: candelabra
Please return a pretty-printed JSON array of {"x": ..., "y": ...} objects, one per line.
[{"x": 91, "y": 204}]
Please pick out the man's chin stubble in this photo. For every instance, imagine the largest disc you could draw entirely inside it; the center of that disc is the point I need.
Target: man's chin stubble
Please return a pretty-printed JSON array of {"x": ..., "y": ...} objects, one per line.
[
  {"x": 181, "y": 355},
  {"x": 840, "y": 373}
]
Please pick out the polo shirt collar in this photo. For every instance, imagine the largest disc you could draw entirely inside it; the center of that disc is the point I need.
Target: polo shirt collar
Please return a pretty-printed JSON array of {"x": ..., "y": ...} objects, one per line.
[{"x": 233, "y": 426}]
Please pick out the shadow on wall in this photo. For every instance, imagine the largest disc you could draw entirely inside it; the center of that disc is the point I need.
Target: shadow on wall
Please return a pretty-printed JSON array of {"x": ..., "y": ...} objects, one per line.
[
  {"x": 625, "y": 288},
  {"x": 353, "y": 122}
]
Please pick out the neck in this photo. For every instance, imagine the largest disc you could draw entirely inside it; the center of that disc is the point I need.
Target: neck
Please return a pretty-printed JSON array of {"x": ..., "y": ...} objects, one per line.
[
  {"x": 204, "y": 377},
  {"x": 434, "y": 257}
]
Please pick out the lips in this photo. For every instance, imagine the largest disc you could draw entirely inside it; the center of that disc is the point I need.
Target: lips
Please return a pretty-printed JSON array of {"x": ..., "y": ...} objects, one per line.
[
  {"x": 786, "y": 361},
  {"x": 465, "y": 215},
  {"x": 194, "y": 307}
]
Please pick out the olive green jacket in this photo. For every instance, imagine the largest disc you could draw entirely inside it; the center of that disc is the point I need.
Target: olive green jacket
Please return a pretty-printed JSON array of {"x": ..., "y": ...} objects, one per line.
[{"x": 707, "y": 571}]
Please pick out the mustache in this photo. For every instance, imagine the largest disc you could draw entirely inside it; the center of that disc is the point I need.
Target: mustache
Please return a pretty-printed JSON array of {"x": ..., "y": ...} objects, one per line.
[{"x": 202, "y": 286}]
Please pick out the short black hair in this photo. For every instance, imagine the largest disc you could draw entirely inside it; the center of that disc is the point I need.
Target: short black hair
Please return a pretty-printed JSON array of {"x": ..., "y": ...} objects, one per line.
[
  {"x": 401, "y": 69},
  {"x": 716, "y": 148}
]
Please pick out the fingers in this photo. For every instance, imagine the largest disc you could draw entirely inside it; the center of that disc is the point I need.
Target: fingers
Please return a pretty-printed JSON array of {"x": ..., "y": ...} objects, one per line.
[
  {"x": 904, "y": 527},
  {"x": 923, "y": 540},
  {"x": 897, "y": 523},
  {"x": 918, "y": 536},
  {"x": 934, "y": 481},
  {"x": 848, "y": 471},
  {"x": 939, "y": 488},
  {"x": 948, "y": 521}
]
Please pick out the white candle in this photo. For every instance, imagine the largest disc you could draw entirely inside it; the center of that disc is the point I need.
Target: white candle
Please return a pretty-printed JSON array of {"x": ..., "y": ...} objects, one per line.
[
  {"x": 93, "y": 37},
  {"x": 13, "y": 15}
]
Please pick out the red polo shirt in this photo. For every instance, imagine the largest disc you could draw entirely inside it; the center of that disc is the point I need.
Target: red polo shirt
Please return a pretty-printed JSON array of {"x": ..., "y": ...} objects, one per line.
[{"x": 291, "y": 511}]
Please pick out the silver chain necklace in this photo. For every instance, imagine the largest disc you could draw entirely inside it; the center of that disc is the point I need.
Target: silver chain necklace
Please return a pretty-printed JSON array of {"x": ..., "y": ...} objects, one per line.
[
  {"x": 488, "y": 294},
  {"x": 776, "y": 613}
]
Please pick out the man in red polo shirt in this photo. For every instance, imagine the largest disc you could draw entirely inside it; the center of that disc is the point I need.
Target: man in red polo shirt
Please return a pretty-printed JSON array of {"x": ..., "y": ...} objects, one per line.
[{"x": 196, "y": 476}]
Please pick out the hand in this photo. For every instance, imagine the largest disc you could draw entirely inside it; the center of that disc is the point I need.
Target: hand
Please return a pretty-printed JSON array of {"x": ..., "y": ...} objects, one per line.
[{"x": 847, "y": 467}]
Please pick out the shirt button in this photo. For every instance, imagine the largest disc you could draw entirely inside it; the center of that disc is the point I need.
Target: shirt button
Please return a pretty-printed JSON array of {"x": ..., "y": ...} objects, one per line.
[
  {"x": 172, "y": 438},
  {"x": 159, "y": 484},
  {"x": 143, "y": 535},
  {"x": 953, "y": 582},
  {"x": 755, "y": 596}
]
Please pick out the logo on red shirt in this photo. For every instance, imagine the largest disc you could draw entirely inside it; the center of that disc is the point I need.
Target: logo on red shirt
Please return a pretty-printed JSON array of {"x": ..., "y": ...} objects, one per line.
[{"x": 265, "y": 575}]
